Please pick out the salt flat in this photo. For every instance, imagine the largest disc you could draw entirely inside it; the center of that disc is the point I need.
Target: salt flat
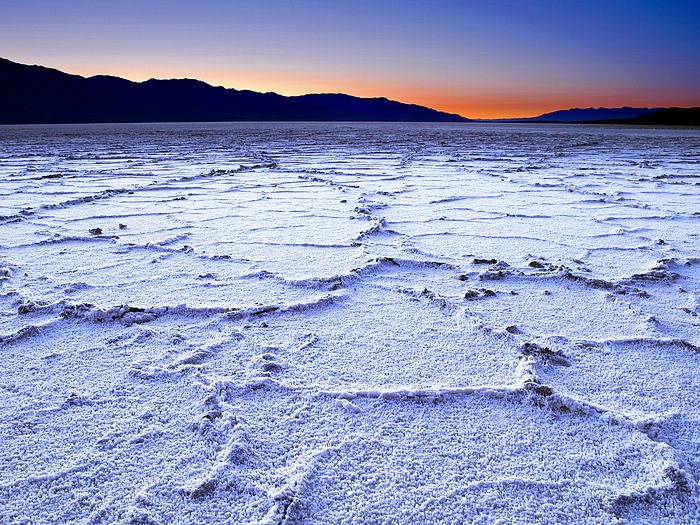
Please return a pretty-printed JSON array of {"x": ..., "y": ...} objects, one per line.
[{"x": 349, "y": 323}]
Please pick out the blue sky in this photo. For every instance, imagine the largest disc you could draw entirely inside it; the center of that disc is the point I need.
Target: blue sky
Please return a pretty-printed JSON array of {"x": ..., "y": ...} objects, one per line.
[{"x": 480, "y": 59}]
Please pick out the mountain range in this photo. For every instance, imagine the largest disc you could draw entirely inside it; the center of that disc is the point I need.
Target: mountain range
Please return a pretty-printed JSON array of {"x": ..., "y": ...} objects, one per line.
[
  {"x": 578, "y": 115},
  {"x": 37, "y": 94},
  {"x": 624, "y": 115},
  {"x": 31, "y": 94}
]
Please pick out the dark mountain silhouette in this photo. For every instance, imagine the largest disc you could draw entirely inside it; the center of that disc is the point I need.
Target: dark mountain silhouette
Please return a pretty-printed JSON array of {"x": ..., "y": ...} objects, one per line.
[
  {"x": 664, "y": 117},
  {"x": 624, "y": 115},
  {"x": 579, "y": 115},
  {"x": 37, "y": 94},
  {"x": 591, "y": 114}
]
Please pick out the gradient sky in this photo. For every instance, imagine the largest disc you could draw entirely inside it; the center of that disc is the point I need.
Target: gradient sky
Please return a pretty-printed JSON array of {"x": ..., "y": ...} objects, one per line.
[{"x": 482, "y": 59}]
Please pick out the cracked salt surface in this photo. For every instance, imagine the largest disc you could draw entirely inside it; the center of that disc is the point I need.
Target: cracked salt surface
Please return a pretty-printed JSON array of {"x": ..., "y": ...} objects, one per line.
[{"x": 349, "y": 323}]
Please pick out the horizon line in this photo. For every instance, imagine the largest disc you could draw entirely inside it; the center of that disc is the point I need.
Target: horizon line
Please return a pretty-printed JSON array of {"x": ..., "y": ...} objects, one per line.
[{"x": 350, "y": 94}]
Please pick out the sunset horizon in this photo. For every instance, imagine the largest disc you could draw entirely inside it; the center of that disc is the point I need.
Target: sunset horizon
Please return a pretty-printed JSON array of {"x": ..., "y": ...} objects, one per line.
[
  {"x": 495, "y": 60},
  {"x": 504, "y": 109}
]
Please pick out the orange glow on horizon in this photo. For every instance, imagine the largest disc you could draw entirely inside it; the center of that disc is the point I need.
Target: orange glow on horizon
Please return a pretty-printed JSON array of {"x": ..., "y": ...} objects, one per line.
[{"x": 467, "y": 103}]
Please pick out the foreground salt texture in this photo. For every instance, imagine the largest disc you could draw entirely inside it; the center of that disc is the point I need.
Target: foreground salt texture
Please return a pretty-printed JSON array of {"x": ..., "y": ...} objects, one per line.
[{"x": 338, "y": 323}]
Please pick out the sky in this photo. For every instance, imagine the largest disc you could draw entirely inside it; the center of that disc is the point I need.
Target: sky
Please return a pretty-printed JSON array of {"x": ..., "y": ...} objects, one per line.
[{"x": 481, "y": 59}]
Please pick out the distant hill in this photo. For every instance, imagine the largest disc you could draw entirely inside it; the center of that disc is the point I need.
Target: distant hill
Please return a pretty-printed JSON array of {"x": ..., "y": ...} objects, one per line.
[
  {"x": 591, "y": 114},
  {"x": 664, "y": 117},
  {"x": 37, "y": 94},
  {"x": 579, "y": 115},
  {"x": 624, "y": 115}
]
